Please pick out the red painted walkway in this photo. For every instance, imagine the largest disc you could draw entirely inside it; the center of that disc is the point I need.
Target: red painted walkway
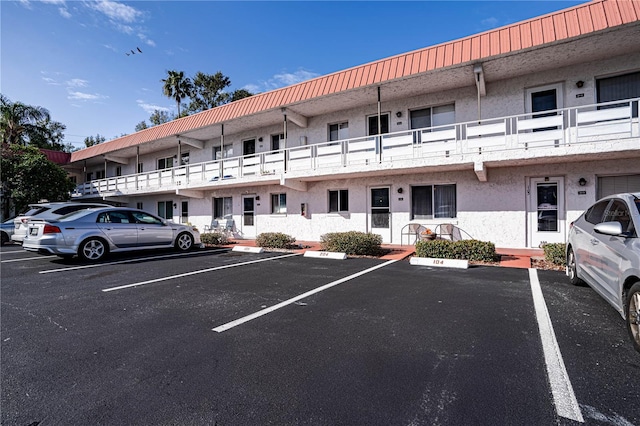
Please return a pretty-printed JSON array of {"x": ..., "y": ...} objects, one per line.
[{"x": 510, "y": 258}]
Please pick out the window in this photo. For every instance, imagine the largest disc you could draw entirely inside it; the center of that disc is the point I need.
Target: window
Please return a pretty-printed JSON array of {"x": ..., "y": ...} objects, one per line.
[
  {"x": 609, "y": 185},
  {"x": 119, "y": 171},
  {"x": 184, "y": 212},
  {"x": 139, "y": 206},
  {"x": 431, "y": 117},
  {"x": 618, "y": 212},
  {"x": 433, "y": 201},
  {"x": 373, "y": 124},
  {"x": 100, "y": 174},
  {"x": 620, "y": 87},
  {"x": 165, "y": 163},
  {"x": 339, "y": 201},
  {"x": 595, "y": 212},
  {"x": 140, "y": 168},
  {"x": 249, "y": 147},
  {"x": 227, "y": 152},
  {"x": 142, "y": 217},
  {"x": 222, "y": 207},
  {"x": 184, "y": 158},
  {"x": 278, "y": 203},
  {"x": 89, "y": 177},
  {"x": 339, "y": 131},
  {"x": 165, "y": 209},
  {"x": 275, "y": 141}
]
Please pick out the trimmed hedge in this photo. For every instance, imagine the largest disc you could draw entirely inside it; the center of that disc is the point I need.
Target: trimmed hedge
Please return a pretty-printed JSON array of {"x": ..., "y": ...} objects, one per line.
[
  {"x": 555, "y": 253},
  {"x": 476, "y": 250},
  {"x": 352, "y": 243},
  {"x": 214, "y": 238},
  {"x": 274, "y": 240}
]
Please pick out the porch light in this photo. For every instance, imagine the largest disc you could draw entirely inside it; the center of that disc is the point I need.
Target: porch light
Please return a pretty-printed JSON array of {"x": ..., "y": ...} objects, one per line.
[{"x": 582, "y": 181}]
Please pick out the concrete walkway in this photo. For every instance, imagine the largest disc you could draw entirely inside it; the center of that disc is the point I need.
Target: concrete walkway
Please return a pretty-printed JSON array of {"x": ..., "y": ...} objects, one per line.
[{"x": 510, "y": 258}]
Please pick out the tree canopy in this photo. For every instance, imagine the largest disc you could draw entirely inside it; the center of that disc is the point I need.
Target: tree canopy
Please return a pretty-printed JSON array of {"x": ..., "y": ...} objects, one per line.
[
  {"x": 177, "y": 87},
  {"x": 27, "y": 177},
  {"x": 91, "y": 141}
]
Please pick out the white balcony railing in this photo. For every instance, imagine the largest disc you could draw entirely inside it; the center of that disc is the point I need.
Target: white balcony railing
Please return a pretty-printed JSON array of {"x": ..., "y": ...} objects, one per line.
[{"x": 552, "y": 129}]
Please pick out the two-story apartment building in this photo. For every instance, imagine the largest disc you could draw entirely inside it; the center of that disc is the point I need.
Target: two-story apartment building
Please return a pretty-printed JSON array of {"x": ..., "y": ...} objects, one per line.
[{"x": 509, "y": 134}]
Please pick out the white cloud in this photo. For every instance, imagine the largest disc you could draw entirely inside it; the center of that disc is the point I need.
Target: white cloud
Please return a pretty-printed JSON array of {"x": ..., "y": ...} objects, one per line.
[
  {"x": 85, "y": 96},
  {"x": 26, "y": 3},
  {"x": 490, "y": 22},
  {"x": 64, "y": 12},
  {"x": 126, "y": 29},
  {"x": 116, "y": 11},
  {"x": 62, "y": 2},
  {"x": 110, "y": 47},
  {"x": 281, "y": 80},
  {"x": 149, "y": 108},
  {"x": 76, "y": 82}
]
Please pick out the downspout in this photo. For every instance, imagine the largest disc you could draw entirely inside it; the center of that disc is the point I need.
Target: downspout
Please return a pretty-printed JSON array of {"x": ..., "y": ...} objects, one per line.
[
  {"x": 221, "y": 171},
  {"x": 379, "y": 137},
  {"x": 284, "y": 148}
]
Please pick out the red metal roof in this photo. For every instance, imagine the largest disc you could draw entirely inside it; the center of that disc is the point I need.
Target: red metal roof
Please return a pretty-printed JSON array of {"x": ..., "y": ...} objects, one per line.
[
  {"x": 575, "y": 21},
  {"x": 57, "y": 157}
]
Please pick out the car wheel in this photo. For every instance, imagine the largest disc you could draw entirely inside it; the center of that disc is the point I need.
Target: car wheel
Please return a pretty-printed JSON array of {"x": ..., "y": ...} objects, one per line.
[
  {"x": 184, "y": 242},
  {"x": 4, "y": 238},
  {"x": 93, "y": 249},
  {"x": 633, "y": 314},
  {"x": 572, "y": 269}
]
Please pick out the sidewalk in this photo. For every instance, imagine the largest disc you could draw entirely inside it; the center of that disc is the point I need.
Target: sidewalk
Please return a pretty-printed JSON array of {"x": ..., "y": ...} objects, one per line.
[{"x": 510, "y": 258}]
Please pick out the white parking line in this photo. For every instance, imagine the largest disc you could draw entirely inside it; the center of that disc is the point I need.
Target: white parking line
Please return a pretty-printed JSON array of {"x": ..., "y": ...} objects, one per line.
[
  {"x": 227, "y": 326},
  {"x": 119, "y": 262},
  {"x": 24, "y": 259},
  {"x": 563, "y": 395},
  {"x": 201, "y": 271}
]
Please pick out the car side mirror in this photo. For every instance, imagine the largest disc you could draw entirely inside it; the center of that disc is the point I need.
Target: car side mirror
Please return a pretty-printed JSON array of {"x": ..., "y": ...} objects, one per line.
[{"x": 609, "y": 228}]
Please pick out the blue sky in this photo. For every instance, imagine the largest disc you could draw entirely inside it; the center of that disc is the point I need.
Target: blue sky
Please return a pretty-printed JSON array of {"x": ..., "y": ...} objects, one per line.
[{"x": 69, "y": 56}]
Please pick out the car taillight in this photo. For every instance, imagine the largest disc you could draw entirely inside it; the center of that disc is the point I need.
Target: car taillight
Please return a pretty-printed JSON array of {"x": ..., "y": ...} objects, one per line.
[
  {"x": 24, "y": 220},
  {"x": 50, "y": 229}
]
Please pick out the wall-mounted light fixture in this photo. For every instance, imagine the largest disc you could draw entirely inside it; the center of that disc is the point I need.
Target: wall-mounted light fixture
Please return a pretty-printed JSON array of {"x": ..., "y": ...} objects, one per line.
[
  {"x": 579, "y": 83},
  {"x": 400, "y": 190},
  {"x": 260, "y": 139},
  {"x": 175, "y": 206},
  {"x": 399, "y": 114},
  {"x": 582, "y": 182},
  {"x": 257, "y": 198}
]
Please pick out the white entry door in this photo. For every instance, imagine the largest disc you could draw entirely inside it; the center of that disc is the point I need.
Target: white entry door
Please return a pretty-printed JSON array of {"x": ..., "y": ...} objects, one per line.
[
  {"x": 546, "y": 216},
  {"x": 249, "y": 216},
  {"x": 380, "y": 213}
]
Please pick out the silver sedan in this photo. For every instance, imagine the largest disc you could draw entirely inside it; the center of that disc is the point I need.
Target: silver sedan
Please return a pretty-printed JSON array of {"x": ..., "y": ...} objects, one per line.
[
  {"x": 603, "y": 250},
  {"x": 94, "y": 233}
]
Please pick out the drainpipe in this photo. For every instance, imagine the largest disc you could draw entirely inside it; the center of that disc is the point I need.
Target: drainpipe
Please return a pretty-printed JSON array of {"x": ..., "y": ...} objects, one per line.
[
  {"x": 480, "y": 85},
  {"x": 179, "y": 153},
  {"x": 221, "y": 151},
  {"x": 284, "y": 112},
  {"x": 379, "y": 137},
  {"x": 137, "y": 164}
]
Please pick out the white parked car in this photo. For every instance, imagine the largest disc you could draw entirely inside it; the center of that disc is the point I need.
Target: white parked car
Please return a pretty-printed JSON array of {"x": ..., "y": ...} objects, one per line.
[
  {"x": 46, "y": 211},
  {"x": 603, "y": 250}
]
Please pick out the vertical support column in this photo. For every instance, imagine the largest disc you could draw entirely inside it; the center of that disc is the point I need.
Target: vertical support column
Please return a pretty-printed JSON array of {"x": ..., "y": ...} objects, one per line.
[
  {"x": 137, "y": 165},
  {"x": 379, "y": 137},
  {"x": 220, "y": 167}
]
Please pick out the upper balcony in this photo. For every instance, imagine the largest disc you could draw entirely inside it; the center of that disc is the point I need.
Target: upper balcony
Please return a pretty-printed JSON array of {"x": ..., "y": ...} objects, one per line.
[{"x": 571, "y": 134}]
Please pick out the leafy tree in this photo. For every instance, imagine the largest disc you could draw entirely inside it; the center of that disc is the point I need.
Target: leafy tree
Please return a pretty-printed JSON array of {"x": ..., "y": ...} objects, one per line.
[
  {"x": 49, "y": 135},
  {"x": 177, "y": 87},
  {"x": 240, "y": 94},
  {"x": 27, "y": 176},
  {"x": 209, "y": 91},
  {"x": 159, "y": 117},
  {"x": 20, "y": 122},
  {"x": 91, "y": 141},
  {"x": 141, "y": 126}
]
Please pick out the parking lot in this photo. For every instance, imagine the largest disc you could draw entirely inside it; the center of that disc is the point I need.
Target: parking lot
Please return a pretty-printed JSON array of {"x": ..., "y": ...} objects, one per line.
[{"x": 227, "y": 338}]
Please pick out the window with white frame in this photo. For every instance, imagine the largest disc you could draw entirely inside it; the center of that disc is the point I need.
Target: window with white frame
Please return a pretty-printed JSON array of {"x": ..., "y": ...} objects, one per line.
[
  {"x": 165, "y": 209},
  {"x": 100, "y": 174},
  {"x": 184, "y": 212},
  {"x": 620, "y": 87},
  {"x": 222, "y": 207},
  {"x": 276, "y": 141},
  {"x": 339, "y": 131},
  {"x": 165, "y": 163},
  {"x": 139, "y": 205},
  {"x": 372, "y": 122},
  {"x": 425, "y": 118},
  {"x": 278, "y": 203},
  {"x": 225, "y": 152},
  {"x": 339, "y": 201},
  {"x": 433, "y": 201},
  {"x": 118, "y": 170}
]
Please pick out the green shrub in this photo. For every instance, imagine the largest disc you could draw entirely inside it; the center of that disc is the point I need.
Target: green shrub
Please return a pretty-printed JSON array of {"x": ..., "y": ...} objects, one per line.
[
  {"x": 352, "y": 243},
  {"x": 466, "y": 249},
  {"x": 275, "y": 240},
  {"x": 555, "y": 253},
  {"x": 214, "y": 238}
]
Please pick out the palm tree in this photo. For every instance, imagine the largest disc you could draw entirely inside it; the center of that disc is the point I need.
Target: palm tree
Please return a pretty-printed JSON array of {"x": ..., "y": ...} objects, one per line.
[
  {"x": 176, "y": 86},
  {"x": 20, "y": 122}
]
